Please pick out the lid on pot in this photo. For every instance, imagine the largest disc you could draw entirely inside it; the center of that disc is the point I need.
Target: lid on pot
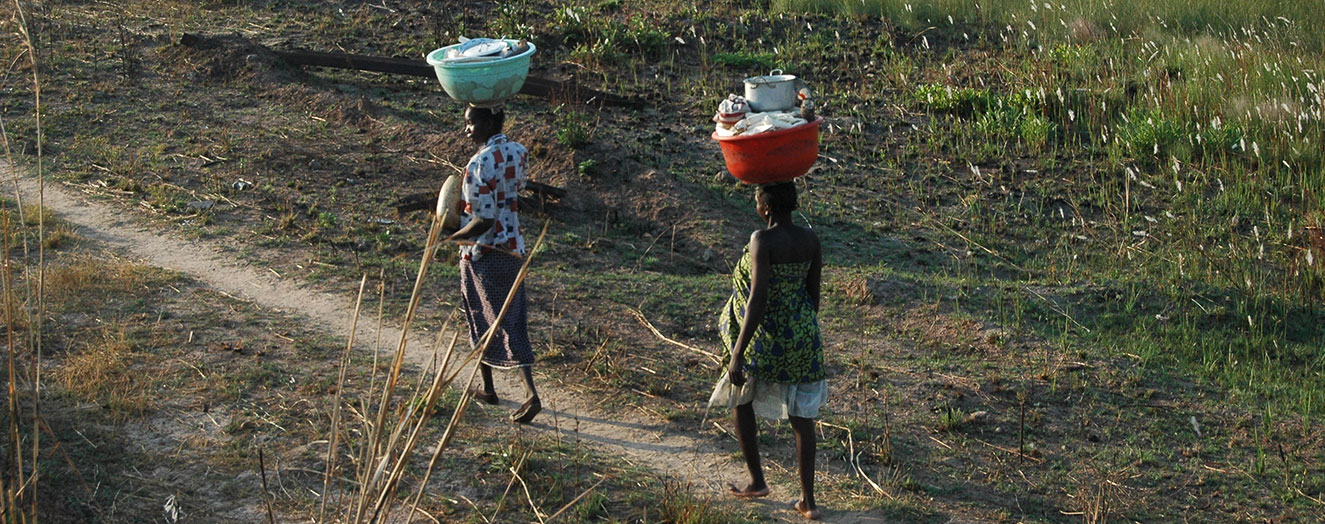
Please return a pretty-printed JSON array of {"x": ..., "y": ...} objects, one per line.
[{"x": 773, "y": 77}]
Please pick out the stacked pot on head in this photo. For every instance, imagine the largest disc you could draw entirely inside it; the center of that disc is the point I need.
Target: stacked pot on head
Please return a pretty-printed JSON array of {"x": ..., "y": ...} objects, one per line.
[
  {"x": 764, "y": 138},
  {"x": 484, "y": 73}
]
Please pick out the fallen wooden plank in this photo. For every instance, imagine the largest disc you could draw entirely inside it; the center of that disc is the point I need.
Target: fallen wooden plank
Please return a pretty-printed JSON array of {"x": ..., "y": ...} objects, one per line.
[
  {"x": 533, "y": 85},
  {"x": 376, "y": 64},
  {"x": 544, "y": 189},
  {"x": 428, "y": 201}
]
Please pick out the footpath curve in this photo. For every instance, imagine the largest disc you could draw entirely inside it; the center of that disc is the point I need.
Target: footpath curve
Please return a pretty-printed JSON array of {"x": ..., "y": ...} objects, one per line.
[{"x": 665, "y": 449}]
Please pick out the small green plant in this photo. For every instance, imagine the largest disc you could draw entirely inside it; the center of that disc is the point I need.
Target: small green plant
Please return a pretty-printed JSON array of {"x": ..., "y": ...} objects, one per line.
[
  {"x": 575, "y": 24},
  {"x": 573, "y": 129},
  {"x": 679, "y": 506},
  {"x": 1034, "y": 131},
  {"x": 1016, "y": 116},
  {"x": 947, "y": 99},
  {"x": 644, "y": 36},
  {"x": 598, "y": 53},
  {"x": 951, "y": 419},
  {"x": 512, "y": 21},
  {"x": 586, "y": 168},
  {"x": 326, "y": 220},
  {"x": 746, "y": 60},
  {"x": 1150, "y": 133},
  {"x": 163, "y": 198},
  {"x": 594, "y": 506}
]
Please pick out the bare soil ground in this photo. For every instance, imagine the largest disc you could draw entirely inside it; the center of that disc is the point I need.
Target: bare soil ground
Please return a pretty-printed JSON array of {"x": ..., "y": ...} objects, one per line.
[
  {"x": 270, "y": 188},
  {"x": 205, "y": 413}
]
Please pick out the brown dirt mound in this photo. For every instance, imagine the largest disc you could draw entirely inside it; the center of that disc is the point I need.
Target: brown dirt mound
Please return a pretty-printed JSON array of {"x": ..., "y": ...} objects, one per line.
[{"x": 225, "y": 57}]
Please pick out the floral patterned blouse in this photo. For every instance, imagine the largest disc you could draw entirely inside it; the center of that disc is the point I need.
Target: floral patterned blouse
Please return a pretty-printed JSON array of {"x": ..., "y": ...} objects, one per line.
[{"x": 786, "y": 347}]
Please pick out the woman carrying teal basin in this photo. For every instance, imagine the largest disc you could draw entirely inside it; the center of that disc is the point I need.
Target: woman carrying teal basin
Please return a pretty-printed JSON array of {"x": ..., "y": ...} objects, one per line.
[
  {"x": 483, "y": 81},
  {"x": 770, "y": 332}
]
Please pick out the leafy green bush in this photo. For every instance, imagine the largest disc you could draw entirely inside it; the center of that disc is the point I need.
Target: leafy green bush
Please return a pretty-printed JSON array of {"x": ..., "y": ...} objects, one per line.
[
  {"x": 644, "y": 36},
  {"x": 1016, "y": 116},
  {"x": 573, "y": 129},
  {"x": 596, "y": 41},
  {"x": 1145, "y": 133},
  {"x": 575, "y": 25},
  {"x": 947, "y": 99},
  {"x": 596, "y": 53},
  {"x": 511, "y": 21},
  {"x": 1221, "y": 139}
]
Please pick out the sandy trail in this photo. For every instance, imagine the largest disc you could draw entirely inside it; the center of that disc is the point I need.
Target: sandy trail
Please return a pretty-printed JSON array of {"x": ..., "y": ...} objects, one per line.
[{"x": 666, "y": 448}]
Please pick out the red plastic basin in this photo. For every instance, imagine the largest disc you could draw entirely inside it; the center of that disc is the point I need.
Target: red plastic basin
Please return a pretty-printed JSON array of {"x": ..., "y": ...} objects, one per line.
[{"x": 775, "y": 156}]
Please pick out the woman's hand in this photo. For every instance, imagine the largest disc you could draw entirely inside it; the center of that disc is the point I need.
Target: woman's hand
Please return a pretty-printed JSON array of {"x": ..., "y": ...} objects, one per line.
[{"x": 736, "y": 372}]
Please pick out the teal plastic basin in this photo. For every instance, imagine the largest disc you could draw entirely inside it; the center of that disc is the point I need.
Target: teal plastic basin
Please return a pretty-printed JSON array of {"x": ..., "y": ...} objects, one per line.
[{"x": 482, "y": 82}]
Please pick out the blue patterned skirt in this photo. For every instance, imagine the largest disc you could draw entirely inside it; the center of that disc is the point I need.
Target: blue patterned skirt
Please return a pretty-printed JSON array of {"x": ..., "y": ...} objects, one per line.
[{"x": 484, "y": 284}]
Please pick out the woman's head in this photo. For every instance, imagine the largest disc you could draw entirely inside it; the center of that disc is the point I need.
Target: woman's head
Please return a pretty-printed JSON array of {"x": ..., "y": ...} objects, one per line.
[
  {"x": 775, "y": 199},
  {"x": 481, "y": 123}
]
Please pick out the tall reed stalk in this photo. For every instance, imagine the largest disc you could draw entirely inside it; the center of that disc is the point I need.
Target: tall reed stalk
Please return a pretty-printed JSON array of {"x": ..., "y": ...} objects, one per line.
[
  {"x": 394, "y": 434},
  {"x": 21, "y": 490}
]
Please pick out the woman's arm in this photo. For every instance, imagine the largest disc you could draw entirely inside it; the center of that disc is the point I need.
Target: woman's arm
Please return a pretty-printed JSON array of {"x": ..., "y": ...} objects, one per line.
[
  {"x": 754, "y": 308},
  {"x": 474, "y": 228}
]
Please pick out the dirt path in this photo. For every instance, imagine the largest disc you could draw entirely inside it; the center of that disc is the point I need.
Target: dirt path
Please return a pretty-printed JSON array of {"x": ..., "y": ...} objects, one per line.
[{"x": 663, "y": 447}]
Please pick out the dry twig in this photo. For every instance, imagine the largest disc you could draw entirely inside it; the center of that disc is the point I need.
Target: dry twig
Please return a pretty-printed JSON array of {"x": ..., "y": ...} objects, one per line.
[{"x": 640, "y": 316}]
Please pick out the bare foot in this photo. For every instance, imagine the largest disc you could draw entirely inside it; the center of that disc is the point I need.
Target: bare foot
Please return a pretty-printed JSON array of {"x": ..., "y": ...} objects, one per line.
[
  {"x": 750, "y": 492},
  {"x": 809, "y": 512}
]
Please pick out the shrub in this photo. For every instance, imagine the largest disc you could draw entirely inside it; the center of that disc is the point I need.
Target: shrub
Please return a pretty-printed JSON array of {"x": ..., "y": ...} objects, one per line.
[
  {"x": 746, "y": 60},
  {"x": 947, "y": 99},
  {"x": 1147, "y": 133},
  {"x": 511, "y": 21},
  {"x": 573, "y": 129},
  {"x": 644, "y": 36},
  {"x": 575, "y": 24}
]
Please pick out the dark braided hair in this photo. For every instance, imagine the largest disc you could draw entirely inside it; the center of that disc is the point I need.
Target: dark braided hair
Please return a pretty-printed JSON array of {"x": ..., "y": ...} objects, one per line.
[{"x": 779, "y": 197}]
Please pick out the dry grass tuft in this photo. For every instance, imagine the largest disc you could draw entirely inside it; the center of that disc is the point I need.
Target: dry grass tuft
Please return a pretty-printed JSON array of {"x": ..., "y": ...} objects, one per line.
[
  {"x": 680, "y": 506},
  {"x": 33, "y": 212},
  {"x": 857, "y": 291},
  {"x": 59, "y": 237},
  {"x": 86, "y": 276},
  {"x": 103, "y": 372},
  {"x": 1082, "y": 30}
]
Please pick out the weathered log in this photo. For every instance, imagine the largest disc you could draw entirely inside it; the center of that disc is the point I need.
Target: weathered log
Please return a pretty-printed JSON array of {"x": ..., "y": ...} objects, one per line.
[
  {"x": 533, "y": 86},
  {"x": 428, "y": 201},
  {"x": 415, "y": 202},
  {"x": 376, "y": 64},
  {"x": 544, "y": 189}
]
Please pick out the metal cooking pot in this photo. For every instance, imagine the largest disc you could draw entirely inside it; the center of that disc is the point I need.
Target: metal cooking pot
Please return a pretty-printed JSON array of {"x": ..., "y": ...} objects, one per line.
[{"x": 772, "y": 92}]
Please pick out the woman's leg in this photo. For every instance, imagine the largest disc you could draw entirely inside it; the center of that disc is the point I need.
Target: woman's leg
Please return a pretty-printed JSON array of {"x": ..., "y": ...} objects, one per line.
[
  {"x": 526, "y": 412},
  {"x": 805, "y": 443},
  {"x": 486, "y": 393},
  {"x": 486, "y": 372},
  {"x": 527, "y": 372},
  {"x": 747, "y": 434}
]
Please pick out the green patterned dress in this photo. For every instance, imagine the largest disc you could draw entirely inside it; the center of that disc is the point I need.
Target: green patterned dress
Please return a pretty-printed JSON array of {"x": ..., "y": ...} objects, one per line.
[{"x": 786, "y": 347}]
